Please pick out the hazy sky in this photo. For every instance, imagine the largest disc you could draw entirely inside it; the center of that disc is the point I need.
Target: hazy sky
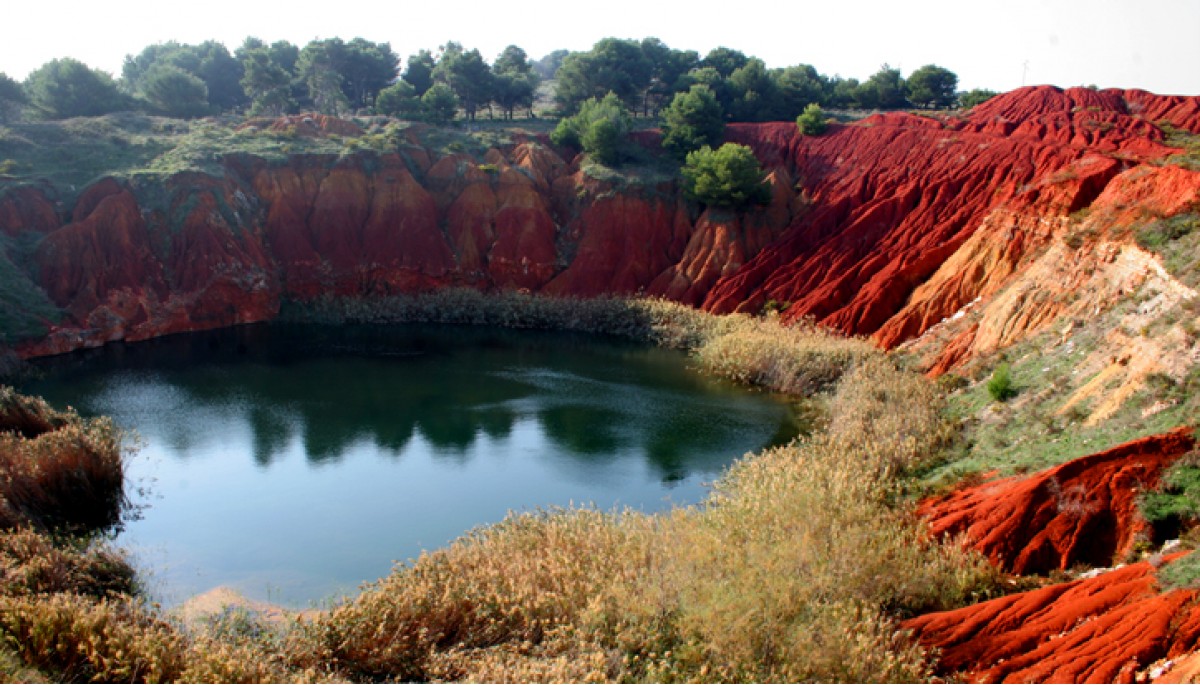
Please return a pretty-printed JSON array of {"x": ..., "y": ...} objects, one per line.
[{"x": 1150, "y": 44}]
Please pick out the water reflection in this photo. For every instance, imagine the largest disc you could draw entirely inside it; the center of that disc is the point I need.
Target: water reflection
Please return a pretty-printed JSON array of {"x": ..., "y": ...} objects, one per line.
[
  {"x": 335, "y": 387},
  {"x": 293, "y": 462}
]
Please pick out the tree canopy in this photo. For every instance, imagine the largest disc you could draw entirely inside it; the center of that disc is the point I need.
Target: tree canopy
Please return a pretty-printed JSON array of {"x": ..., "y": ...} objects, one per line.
[
  {"x": 210, "y": 62},
  {"x": 343, "y": 77},
  {"x": 974, "y": 97},
  {"x": 66, "y": 87},
  {"x": 932, "y": 86},
  {"x": 612, "y": 66},
  {"x": 692, "y": 120},
  {"x": 515, "y": 81},
  {"x": 465, "y": 72},
  {"x": 600, "y": 129},
  {"x": 175, "y": 92},
  {"x": 266, "y": 82},
  {"x": 12, "y": 97},
  {"x": 399, "y": 100},
  {"x": 439, "y": 103},
  {"x": 728, "y": 177}
]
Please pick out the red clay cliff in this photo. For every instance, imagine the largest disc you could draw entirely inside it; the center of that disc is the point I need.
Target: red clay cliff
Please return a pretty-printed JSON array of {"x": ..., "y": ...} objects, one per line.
[{"x": 861, "y": 222}]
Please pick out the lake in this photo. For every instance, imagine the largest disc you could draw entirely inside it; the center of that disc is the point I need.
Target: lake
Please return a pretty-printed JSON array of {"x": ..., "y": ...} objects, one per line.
[{"x": 294, "y": 462}]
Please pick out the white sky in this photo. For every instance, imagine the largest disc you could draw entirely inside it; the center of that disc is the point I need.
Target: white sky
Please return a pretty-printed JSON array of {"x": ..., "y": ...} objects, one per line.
[{"x": 1150, "y": 44}]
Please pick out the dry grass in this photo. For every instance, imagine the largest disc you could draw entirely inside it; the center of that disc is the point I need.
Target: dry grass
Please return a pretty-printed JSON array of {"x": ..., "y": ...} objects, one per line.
[
  {"x": 796, "y": 568},
  {"x": 57, "y": 471},
  {"x": 793, "y": 570}
]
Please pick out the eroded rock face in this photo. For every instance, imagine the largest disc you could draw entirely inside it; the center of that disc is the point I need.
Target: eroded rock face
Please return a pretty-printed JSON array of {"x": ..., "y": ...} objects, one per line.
[
  {"x": 1082, "y": 512},
  {"x": 886, "y": 227},
  {"x": 1104, "y": 629}
]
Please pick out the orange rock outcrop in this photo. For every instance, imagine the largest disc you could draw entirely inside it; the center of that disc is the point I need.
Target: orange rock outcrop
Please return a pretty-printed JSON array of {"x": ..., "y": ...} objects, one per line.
[
  {"x": 1105, "y": 628},
  {"x": 1083, "y": 512}
]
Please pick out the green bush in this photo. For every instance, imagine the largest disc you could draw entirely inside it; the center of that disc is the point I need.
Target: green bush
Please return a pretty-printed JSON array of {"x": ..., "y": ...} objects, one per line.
[
  {"x": 1000, "y": 385},
  {"x": 692, "y": 120},
  {"x": 599, "y": 129},
  {"x": 729, "y": 176},
  {"x": 1181, "y": 573},
  {"x": 812, "y": 121},
  {"x": 1176, "y": 501}
]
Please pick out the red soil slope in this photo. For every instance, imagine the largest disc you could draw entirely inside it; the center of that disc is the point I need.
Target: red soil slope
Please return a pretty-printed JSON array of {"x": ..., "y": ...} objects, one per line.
[
  {"x": 1082, "y": 512},
  {"x": 860, "y": 219},
  {"x": 1100, "y": 630}
]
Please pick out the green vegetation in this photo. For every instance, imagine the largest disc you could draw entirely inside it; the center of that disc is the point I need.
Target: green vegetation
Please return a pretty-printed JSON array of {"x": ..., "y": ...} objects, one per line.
[
  {"x": 439, "y": 103},
  {"x": 1189, "y": 142},
  {"x": 1000, "y": 385},
  {"x": 12, "y": 97},
  {"x": 932, "y": 86},
  {"x": 1176, "y": 501},
  {"x": 729, "y": 176},
  {"x": 812, "y": 122},
  {"x": 399, "y": 100},
  {"x": 24, "y": 308},
  {"x": 64, "y": 88},
  {"x": 1064, "y": 376},
  {"x": 173, "y": 92},
  {"x": 1177, "y": 239},
  {"x": 1181, "y": 573},
  {"x": 974, "y": 97},
  {"x": 338, "y": 77},
  {"x": 599, "y": 129},
  {"x": 693, "y": 120},
  {"x": 208, "y": 62}
]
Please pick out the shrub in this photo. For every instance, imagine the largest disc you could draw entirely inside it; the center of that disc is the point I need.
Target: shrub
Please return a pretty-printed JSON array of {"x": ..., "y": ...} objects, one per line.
[
  {"x": 74, "y": 638},
  {"x": 1176, "y": 501},
  {"x": 599, "y": 129},
  {"x": 727, "y": 177},
  {"x": 1181, "y": 573},
  {"x": 1000, "y": 385},
  {"x": 63, "y": 88},
  {"x": 692, "y": 120},
  {"x": 799, "y": 360},
  {"x": 34, "y": 563},
  {"x": 57, "y": 470},
  {"x": 812, "y": 121}
]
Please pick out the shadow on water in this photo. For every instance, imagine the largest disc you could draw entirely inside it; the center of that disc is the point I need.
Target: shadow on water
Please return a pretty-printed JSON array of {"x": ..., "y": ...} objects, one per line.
[{"x": 334, "y": 387}]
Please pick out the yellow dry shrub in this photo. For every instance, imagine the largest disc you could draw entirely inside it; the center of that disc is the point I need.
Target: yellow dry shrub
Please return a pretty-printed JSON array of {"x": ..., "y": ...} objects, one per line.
[
  {"x": 794, "y": 569},
  {"x": 798, "y": 360},
  {"x": 33, "y": 563},
  {"x": 76, "y": 638},
  {"x": 57, "y": 470}
]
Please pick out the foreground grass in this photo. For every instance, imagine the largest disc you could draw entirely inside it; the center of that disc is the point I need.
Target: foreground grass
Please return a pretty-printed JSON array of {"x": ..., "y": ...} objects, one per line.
[{"x": 796, "y": 568}]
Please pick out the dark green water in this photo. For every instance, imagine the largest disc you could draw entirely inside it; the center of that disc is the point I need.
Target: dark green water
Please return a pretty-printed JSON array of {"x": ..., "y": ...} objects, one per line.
[{"x": 292, "y": 463}]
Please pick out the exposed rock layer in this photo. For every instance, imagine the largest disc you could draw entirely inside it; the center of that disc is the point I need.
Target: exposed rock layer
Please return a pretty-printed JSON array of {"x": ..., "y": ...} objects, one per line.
[
  {"x": 1083, "y": 512},
  {"x": 1105, "y": 628},
  {"x": 885, "y": 227}
]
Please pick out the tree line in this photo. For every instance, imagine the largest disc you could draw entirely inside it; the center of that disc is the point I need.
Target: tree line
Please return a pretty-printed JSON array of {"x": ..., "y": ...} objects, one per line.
[{"x": 333, "y": 76}]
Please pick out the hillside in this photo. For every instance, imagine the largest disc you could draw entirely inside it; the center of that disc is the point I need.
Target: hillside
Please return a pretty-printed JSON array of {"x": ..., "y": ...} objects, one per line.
[
  {"x": 1037, "y": 255},
  {"x": 883, "y": 228}
]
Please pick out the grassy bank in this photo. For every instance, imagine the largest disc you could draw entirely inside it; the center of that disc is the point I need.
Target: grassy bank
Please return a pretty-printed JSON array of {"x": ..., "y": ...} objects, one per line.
[{"x": 796, "y": 567}]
